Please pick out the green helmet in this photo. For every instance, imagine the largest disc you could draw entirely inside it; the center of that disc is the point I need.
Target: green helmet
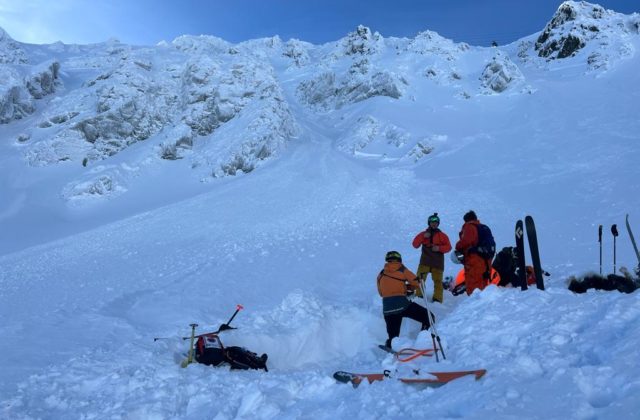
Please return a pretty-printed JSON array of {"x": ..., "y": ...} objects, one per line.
[
  {"x": 434, "y": 218},
  {"x": 393, "y": 256}
]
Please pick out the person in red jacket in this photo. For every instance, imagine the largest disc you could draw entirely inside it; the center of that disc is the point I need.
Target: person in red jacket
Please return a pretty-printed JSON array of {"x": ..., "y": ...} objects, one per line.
[
  {"x": 476, "y": 268},
  {"x": 435, "y": 243}
]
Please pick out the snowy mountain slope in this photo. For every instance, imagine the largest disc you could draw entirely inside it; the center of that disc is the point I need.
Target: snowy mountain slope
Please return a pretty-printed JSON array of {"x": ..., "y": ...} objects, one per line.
[
  {"x": 220, "y": 109},
  {"x": 300, "y": 240}
]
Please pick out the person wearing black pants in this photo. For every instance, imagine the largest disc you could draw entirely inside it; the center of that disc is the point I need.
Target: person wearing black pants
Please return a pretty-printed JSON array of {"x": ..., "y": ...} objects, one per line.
[{"x": 394, "y": 282}]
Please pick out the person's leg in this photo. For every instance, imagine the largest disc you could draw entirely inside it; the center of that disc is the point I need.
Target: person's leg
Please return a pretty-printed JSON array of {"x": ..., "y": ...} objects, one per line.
[
  {"x": 474, "y": 269},
  {"x": 394, "y": 322},
  {"x": 421, "y": 273},
  {"x": 438, "y": 288},
  {"x": 418, "y": 313}
]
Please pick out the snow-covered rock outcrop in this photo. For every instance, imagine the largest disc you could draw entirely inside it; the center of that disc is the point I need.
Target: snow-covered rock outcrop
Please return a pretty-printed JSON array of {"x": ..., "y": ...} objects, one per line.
[
  {"x": 361, "y": 42},
  {"x": 18, "y": 90},
  {"x": 578, "y": 26},
  {"x": 298, "y": 51},
  {"x": 15, "y": 100},
  {"x": 500, "y": 74},
  {"x": 362, "y": 80},
  {"x": 221, "y": 109},
  {"x": 181, "y": 101},
  {"x": 10, "y": 50}
]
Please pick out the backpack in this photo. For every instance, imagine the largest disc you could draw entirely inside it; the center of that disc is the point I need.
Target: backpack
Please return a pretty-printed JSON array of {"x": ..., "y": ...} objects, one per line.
[
  {"x": 506, "y": 264},
  {"x": 486, "y": 247},
  {"x": 210, "y": 351}
]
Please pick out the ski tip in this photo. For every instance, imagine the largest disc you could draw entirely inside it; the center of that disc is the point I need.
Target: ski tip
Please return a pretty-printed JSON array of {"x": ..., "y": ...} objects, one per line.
[{"x": 343, "y": 377}]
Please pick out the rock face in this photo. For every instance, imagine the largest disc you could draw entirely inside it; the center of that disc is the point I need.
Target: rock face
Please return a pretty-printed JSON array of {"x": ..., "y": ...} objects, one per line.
[
  {"x": 225, "y": 109},
  {"x": 576, "y": 24},
  {"x": 182, "y": 100},
  {"x": 10, "y": 50},
  {"x": 18, "y": 92},
  {"x": 500, "y": 74},
  {"x": 329, "y": 90}
]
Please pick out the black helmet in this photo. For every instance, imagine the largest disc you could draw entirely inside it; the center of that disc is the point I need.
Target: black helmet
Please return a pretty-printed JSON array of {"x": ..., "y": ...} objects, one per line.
[
  {"x": 393, "y": 256},
  {"x": 434, "y": 218},
  {"x": 469, "y": 216}
]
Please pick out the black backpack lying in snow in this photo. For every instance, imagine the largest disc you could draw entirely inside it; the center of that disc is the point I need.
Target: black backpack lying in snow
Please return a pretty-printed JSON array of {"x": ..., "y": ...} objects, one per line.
[{"x": 210, "y": 351}]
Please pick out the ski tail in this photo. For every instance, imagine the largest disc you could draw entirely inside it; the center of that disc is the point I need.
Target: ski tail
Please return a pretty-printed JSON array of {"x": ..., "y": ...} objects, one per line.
[
  {"x": 356, "y": 379},
  {"x": 532, "y": 237},
  {"x": 522, "y": 274}
]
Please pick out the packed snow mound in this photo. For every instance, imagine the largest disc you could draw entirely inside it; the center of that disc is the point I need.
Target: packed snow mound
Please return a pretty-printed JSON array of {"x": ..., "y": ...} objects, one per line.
[{"x": 577, "y": 25}]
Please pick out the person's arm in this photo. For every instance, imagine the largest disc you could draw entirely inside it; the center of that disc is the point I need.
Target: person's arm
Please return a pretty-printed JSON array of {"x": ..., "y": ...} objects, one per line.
[
  {"x": 468, "y": 237},
  {"x": 411, "y": 278},
  {"x": 444, "y": 245},
  {"x": 417, "y": 241}
]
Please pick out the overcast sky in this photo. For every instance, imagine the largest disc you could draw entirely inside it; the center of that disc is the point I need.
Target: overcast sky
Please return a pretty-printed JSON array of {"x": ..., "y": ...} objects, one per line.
[{"x": 146, "y": 22}]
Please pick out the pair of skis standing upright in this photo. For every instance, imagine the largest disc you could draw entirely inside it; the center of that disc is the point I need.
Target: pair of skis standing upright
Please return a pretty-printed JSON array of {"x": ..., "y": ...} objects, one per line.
[{"x": 532, "y": 238}]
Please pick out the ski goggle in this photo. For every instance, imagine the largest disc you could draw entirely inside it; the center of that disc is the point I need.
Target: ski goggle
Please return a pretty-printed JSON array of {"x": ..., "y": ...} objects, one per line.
[{"x": 433, "y": 219}]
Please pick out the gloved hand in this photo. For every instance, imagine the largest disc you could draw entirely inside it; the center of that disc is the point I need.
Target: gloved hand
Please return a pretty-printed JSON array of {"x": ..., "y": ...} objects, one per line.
[{"x": 224, "y": 327}]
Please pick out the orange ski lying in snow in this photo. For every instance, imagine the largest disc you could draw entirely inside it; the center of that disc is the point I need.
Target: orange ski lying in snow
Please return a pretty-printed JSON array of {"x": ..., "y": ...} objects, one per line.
[{"x": 438, "y": 379}]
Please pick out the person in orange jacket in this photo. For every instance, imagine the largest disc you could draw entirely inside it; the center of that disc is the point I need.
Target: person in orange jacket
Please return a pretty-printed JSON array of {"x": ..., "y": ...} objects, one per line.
[
  {"x": 435, "y": 243},
  {"x": 395, "y": 281},
  {"x": 476, "y": 268}
]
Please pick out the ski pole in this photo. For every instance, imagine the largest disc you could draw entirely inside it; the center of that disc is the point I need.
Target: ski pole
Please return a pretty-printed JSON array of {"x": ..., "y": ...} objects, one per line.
[
  {"x": 432, "y": 321},
  {"x": 633, "y": 242},
  {"x": 189, "y": 358},
  {"x": 224, "y": 326},
  {"x": 614, "y": 232},
  {"x": 600, "y": 241}
]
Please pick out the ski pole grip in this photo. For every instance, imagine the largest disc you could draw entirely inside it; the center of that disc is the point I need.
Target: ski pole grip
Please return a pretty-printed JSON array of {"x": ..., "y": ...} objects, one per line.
[
  {"x": 614, "y": 230},
  {"x": 600, "y": 233}
]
